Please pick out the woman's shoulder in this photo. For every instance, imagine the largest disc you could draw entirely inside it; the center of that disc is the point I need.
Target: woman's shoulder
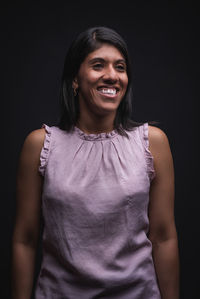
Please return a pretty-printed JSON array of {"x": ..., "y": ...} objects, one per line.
[
  {"x": 158, "y": 141},
  {"x": 156, "y": 134},
  {"x": 35, "y": 138},
  {"x": 33, "y": 144}
]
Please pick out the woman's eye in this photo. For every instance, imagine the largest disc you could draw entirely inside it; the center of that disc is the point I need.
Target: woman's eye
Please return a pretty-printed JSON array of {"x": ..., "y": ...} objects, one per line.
[
  {"x": 121, "y": 67},
  {"x": 98, "y": 66}
]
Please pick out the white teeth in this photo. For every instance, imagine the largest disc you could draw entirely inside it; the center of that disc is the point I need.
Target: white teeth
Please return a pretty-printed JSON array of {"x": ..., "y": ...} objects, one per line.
[{"x": 108, "y": 91}]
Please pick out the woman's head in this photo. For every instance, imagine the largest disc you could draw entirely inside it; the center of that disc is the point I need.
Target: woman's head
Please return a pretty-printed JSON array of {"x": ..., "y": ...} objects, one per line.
[
  {"x": 101, "y": 83},
  {"x": 86, "y": 43}
]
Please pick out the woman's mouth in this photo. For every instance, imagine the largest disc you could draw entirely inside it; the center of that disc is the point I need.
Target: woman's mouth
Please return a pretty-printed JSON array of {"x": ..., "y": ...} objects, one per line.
[{"x": 107, "y": 92}]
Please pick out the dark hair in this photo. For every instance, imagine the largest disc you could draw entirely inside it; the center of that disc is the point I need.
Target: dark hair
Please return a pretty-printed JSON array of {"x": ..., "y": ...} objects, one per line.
[{"x": 85, "y": 43}]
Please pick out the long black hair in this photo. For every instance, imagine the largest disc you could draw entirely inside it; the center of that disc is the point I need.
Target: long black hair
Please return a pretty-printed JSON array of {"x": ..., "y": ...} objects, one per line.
[{"x": 85, "y": 43}]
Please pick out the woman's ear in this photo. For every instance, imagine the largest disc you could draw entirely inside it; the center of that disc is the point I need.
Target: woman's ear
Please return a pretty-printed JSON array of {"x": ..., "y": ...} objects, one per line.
[{"x": 75, "y": 84}]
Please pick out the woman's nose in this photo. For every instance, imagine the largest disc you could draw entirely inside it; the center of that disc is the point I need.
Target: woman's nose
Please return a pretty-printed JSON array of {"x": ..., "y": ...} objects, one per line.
[{"x": 110, "y": 74}]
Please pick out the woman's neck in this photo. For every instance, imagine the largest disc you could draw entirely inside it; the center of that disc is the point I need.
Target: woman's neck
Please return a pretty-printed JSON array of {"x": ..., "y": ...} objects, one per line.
[{"x": 96, "y": 125}]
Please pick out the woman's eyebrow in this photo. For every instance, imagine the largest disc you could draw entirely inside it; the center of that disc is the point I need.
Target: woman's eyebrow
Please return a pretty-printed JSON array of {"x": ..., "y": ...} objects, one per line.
[
  {"x": 100, "y": 59},
  {"x": 96, "y": 59}
]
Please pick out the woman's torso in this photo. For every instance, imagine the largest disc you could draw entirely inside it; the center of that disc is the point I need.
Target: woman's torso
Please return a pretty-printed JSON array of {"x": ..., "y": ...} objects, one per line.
[{"x": 95, "y": 209}]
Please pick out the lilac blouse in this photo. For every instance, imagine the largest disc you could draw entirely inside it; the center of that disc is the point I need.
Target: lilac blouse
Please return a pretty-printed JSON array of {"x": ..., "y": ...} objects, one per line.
[{"x": 95, "y": 210}]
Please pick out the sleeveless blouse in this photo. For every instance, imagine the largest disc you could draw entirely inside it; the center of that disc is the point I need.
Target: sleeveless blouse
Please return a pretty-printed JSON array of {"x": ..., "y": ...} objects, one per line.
[{"x": 95, "y": 211}]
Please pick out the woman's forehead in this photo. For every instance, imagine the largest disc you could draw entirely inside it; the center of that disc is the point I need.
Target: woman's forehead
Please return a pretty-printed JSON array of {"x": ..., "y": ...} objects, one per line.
[{"x": 106, "y": 51}]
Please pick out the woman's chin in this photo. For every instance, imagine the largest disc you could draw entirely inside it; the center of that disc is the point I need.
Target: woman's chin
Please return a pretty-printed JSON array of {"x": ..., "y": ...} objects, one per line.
[{"x": 107, "y": 108}]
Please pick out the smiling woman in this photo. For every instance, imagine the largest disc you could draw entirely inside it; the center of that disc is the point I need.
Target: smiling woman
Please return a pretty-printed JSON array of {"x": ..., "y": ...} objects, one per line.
[
  {"x": 97, "y": 59},
  {"x": 101, "y": 83},
  {"x": 104, "y": 185}
]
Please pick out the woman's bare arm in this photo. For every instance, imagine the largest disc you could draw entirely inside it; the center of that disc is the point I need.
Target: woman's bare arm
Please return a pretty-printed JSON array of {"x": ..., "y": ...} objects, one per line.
[
  {"x": 161, "y": 215},
  {"x": 27, "y": 223}
]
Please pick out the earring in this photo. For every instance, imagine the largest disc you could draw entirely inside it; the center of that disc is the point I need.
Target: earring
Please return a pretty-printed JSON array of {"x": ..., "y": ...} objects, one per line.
[{"x": 75, "y": 91}]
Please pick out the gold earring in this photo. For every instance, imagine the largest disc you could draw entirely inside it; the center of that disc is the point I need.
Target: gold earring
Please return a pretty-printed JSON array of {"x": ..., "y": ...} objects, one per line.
[{"x": 75, "y": 91}]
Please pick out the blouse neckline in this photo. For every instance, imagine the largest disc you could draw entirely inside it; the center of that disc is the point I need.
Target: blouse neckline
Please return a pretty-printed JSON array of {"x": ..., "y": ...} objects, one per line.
[{"x": 94, "y": 137}]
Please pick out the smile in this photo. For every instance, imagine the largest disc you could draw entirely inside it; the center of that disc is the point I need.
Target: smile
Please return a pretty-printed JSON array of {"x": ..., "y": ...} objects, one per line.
[{"x": 107, "y": 91}]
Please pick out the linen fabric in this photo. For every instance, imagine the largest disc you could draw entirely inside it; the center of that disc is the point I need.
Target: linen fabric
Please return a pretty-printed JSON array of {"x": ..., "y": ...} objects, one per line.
[{"x": 95, "y": 210}]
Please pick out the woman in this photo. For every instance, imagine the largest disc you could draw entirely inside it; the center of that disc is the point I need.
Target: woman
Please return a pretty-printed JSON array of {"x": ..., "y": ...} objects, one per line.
[{"x": 104, "y": 185}]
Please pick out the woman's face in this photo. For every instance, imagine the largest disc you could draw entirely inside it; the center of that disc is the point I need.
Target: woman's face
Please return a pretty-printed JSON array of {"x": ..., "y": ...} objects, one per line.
[{"x": 102, "y": 80}]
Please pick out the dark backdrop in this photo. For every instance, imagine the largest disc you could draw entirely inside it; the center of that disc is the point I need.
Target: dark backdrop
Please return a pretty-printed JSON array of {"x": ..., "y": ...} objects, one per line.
[{"x": 163, "y": 39}]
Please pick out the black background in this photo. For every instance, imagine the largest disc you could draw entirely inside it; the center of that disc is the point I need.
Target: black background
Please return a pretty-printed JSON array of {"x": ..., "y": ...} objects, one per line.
[{"x": 163, "y": 40}]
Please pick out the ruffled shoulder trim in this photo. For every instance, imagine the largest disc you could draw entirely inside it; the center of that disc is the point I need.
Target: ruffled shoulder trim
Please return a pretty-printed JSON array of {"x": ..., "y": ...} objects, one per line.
[
  {"x": 148, "y": 155},
  {"x": 45, "y": 150}
]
